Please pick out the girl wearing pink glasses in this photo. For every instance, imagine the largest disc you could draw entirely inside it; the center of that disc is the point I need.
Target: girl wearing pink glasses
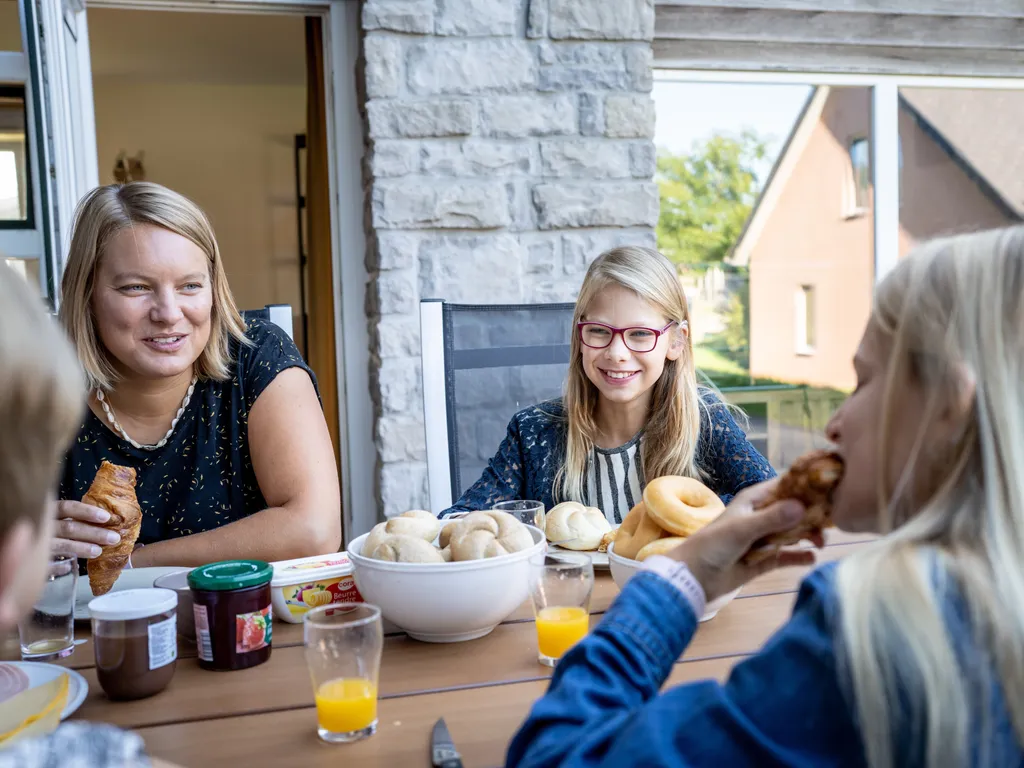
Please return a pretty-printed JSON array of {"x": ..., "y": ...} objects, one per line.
[{"x": 632, "y": 408}]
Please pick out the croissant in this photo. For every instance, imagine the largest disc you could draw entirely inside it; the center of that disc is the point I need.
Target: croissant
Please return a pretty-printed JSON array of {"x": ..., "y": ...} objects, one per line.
[{"x": 113, "y": 489}]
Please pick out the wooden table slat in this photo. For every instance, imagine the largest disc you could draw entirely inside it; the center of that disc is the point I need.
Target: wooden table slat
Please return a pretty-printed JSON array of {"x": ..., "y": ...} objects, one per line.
[{"x": 481, "y": 722}]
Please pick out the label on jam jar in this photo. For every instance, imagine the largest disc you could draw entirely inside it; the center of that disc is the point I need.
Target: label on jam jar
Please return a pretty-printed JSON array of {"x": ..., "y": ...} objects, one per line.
[
  {"x": 163, "y": 643},
  {"x": 252, "y": 630},
  {"x": 202, "y": 632}
]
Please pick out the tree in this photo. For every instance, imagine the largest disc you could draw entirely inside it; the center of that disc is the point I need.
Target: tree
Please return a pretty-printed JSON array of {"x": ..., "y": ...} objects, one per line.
[{"x": 707, "y": 196}]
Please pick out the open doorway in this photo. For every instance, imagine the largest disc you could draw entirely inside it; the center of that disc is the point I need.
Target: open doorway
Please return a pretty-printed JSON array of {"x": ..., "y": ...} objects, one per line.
[{"x": 228, "y": 109}]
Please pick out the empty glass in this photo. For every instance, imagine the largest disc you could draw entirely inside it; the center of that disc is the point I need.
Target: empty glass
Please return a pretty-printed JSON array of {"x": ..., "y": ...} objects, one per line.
[
  {"x": 343, "y": 648},
  {"x": 561, "y": 585},
  {"x": 529, "y": 512},
  {"x": 49, "y": 631}
]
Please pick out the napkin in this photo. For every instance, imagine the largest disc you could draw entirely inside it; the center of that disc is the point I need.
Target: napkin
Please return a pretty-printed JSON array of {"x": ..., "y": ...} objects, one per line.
[{"x": 33, "y": 712}]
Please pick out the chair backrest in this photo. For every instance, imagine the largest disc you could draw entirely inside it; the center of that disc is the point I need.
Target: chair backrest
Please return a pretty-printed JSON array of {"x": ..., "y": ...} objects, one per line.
[
  {"x": 481, "y": 364},
  {"x": 279, "y": 314}
]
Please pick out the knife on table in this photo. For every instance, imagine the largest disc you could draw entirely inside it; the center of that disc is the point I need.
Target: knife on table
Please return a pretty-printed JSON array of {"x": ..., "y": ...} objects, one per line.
[{"x": 442, "y": 749}]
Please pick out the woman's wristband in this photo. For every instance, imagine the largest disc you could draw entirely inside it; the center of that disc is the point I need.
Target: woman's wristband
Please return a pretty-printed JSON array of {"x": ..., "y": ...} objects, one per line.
[{"x": 678, "y": 575}]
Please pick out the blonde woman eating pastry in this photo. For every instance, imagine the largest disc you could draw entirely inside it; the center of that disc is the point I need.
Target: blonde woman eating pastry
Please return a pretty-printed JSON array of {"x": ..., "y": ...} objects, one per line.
[
  {"x": 632, "y": 408},
  {"x": 219, "y": 418},
  {"x": 908, "y": 653}
]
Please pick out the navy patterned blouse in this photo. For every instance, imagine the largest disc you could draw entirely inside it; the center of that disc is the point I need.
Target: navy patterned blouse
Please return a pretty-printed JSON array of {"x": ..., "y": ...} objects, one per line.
[
  {"x": 203, "y": 477},
  {"x": 534, "y": 448}
]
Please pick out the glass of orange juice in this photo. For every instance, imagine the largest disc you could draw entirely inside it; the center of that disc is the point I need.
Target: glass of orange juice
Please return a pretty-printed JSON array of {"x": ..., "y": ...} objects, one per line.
[
  {"x": 561, "y": 587},
  {"x": 343, "y": 648}
]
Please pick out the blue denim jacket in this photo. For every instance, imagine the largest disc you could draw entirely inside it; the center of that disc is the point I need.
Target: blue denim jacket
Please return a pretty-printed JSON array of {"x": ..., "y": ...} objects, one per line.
[
  {"x": 534, "y": 449},
  {"x": 781, "y": 707}
]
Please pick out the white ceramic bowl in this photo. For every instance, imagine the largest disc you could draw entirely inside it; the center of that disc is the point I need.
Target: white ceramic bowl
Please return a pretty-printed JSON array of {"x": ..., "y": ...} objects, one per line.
[
  {"x": 446, "y": 602},
  {"x": 623, "y": 569}
]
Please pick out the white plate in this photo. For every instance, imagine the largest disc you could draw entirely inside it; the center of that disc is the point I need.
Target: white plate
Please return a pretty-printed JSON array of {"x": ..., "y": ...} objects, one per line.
[
  {"x": 133, "y": 578},
  {"x": 599, "y": 559},
  {"x": 40, "y": 673}
]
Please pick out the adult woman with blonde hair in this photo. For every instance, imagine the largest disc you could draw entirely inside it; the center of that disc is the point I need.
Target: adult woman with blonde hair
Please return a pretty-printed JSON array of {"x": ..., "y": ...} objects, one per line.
[
  {"x": 909, "y": 652},
  {"x": 632, "y": 408},
  {"x": 220, "y": 418}
]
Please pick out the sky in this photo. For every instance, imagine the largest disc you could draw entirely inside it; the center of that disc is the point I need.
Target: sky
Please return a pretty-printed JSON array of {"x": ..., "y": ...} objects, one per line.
[{"x": 688, "y": 111}]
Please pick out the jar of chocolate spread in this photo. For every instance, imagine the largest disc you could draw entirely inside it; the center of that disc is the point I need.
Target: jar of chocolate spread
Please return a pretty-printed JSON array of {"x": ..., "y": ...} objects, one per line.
[
  {"x": 233, "y": 613},
  {"x": 135, "y": 640}
]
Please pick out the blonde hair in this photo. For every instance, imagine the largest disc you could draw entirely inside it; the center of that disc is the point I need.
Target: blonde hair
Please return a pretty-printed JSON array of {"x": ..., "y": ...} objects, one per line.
[
  {"x": 672, "y": 431},
  {"x": 953, "y": 316},
  {"x": 107, "y": 211},
  {"x": 42, "y": 398}
]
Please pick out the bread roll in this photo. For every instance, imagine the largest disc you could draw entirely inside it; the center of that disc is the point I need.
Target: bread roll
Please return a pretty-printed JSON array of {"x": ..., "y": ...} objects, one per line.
[
  {"x": 476, "y": 545},
  {"x": 573, "y": 526},
  {"x": 480, "y": 529},
  {"x": 416, "y": 522},
  {"x": 397, "y": 548},
  {"x": 377, "y": 534},
  {"x": 471, "y": 522}
]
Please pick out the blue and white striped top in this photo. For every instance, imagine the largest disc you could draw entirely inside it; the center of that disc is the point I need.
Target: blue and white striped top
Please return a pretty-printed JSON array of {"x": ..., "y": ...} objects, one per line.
[{"x": 615, "y": 479}]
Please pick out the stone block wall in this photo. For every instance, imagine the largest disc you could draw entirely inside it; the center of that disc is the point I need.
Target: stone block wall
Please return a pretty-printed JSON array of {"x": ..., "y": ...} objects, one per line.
[{"x": 509, "y": 143}]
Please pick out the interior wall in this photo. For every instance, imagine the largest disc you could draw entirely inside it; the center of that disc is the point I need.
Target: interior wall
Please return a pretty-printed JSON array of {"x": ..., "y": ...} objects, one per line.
[{"x": 226, "y": 145}]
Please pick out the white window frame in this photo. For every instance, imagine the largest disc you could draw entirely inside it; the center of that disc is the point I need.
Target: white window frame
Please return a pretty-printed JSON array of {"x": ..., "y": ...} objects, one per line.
[
  {"x": 20, "y": 245},
  {"x": 852, "y": 206},
  {"x": 884, "y": 140},
  {"x": 805, "y": 319}
]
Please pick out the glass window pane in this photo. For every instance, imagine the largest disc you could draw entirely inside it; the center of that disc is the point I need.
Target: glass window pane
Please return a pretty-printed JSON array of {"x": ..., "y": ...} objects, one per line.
[
  {"x": 757, "y": 187},
  {"x": 27, "y": 268},
  {"x": 963, "y": 161},
  {"x": 10, "y": 27},
  {"x": 15, "y": 192}
]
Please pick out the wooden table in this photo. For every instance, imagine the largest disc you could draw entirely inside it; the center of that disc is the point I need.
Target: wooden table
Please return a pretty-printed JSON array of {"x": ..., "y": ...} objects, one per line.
[{"x": 484, "y": 688}]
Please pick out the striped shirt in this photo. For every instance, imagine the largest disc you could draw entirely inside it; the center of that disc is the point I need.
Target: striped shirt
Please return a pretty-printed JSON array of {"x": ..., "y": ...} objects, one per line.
[{"x": 615, "y": 479}]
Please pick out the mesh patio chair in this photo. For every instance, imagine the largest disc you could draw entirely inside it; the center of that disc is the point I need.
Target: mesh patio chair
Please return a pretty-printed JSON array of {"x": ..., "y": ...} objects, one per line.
[
  {"x": 279, "y": 314},
  {"x": 482, "y": 364}
]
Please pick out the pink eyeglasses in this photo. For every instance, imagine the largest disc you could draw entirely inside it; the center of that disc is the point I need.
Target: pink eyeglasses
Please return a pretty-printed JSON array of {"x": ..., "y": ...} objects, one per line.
[{"x": 637, "y": 339}]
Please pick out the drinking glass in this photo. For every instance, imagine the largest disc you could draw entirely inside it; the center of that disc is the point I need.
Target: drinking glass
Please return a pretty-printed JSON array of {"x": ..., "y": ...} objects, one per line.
[
  {"x": 561, "y": 585},
  {"x": 529, "y": 512},
  {"x": 49, "y": 631},
  {"x": 343, "y": 644}
]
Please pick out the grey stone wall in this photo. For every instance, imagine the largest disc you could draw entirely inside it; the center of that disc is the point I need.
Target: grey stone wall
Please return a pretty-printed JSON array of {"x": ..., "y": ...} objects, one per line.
[{"x": 509, "y": 143}]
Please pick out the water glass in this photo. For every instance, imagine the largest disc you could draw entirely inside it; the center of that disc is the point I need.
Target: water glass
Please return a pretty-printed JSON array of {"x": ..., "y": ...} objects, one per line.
[
  {"x": 49, "y": 631},
  {"x": 529, "y": 512},
  {"x": 560, "y": 586},
  {"x": 343, "y": 644}
]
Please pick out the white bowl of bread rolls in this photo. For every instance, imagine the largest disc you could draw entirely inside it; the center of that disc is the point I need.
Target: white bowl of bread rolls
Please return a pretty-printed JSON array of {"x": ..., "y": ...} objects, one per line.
[
  {"x": 446, "y": 581},
  {"x": 672, "y": 509}
]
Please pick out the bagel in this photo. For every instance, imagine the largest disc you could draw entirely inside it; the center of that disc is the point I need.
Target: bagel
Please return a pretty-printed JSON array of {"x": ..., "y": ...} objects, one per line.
[
  {"x": 660, "y": 546},
  {"x": 681, "y": 505},
  {"x": 573, "y": 526},
  {"x": 398, "y": 548},
  {"x": 637, "y": 531}
]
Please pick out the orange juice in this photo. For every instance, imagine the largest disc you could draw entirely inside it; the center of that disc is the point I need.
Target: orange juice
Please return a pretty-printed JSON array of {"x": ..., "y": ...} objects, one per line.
[
  {"x": 347, "y": 704},
  {"x": 559, "y": 629}
]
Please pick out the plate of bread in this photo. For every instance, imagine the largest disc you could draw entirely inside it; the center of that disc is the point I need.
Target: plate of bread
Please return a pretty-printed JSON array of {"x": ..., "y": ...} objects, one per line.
[{"x": 579, "y": 528}]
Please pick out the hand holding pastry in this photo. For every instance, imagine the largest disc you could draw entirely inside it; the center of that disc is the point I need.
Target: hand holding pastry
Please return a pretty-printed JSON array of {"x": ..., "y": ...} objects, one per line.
[
  {"x": 80, "y": 530},
  {"x": 113, "y": 489},
  {"x": 716, "y": 554}
]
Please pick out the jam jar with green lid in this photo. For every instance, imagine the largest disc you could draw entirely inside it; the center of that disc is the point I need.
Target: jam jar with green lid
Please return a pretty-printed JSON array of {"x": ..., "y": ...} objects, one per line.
[{"x": 233, "y": 615}]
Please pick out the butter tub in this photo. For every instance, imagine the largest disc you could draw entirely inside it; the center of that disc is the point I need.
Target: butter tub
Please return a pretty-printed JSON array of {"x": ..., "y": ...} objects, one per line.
[{"x": 309, "y": 582}]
